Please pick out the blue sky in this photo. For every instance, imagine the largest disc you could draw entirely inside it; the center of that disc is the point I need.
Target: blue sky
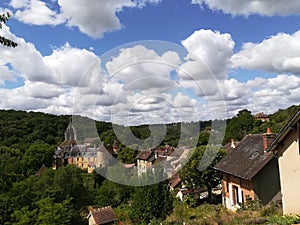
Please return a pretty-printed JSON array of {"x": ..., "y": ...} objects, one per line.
[{"x": 207, "y": 59}]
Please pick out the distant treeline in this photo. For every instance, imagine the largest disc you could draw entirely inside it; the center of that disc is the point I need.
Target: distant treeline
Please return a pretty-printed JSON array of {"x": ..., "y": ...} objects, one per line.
[{"x": 20, "y": 128}]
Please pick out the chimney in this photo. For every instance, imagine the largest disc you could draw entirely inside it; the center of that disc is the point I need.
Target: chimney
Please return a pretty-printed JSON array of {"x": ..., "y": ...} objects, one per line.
[
  {"x": 267, "y": 139},
  {"x": 232, "y": 143}
]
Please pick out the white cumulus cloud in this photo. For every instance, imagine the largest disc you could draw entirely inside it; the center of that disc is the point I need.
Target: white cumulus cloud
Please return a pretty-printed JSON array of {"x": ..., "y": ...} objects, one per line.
[
  {"x": 36, "y": 12},
  {"x": 93, "y": 17},
  {"x": 277, "y": 54},
  {"x": 249, "y": 7},
  {"x": 208, "y": 51}
]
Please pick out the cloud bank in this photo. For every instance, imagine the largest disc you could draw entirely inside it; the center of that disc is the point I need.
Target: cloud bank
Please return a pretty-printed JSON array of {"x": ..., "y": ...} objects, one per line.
[{"x": 139, "y": 84}]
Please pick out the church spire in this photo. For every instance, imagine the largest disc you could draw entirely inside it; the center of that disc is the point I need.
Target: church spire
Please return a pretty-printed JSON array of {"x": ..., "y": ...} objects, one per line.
[{"x": 70, "y": 133}]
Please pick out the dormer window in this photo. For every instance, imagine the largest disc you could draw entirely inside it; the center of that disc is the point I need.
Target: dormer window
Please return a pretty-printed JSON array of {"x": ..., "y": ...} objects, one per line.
[{"x": 254, "y": 155}]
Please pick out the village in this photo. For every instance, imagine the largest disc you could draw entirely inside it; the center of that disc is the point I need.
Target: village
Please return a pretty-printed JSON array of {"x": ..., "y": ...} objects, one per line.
[{"x": 260, "y": 167}]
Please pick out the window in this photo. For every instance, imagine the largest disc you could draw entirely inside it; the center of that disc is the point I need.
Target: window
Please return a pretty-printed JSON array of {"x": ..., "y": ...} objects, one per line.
[{"x": 237, "y": 195}]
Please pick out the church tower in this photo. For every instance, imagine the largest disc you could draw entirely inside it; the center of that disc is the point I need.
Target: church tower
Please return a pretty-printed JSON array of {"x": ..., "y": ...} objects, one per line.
[{"x": 70, "y": 133}]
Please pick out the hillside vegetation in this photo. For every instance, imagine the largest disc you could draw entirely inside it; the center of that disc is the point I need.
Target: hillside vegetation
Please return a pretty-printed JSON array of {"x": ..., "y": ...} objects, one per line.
[{"x": 28, "y": 141}]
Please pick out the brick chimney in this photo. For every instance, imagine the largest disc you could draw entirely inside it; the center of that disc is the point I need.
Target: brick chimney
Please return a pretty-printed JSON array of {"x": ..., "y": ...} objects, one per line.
[{"x": 267, "y": 139}]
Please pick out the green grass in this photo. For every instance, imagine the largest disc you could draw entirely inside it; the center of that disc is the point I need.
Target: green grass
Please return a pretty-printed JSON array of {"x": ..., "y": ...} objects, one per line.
[
  {"x": 216, "y": 215},
  {"x": 207, "y": 214}
]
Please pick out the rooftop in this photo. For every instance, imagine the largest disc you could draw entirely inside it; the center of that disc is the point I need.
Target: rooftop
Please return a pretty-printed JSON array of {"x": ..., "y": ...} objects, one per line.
[
  {"x": 145, "y": 155},
  {"x": 103, "y": 215},
  {"x": 247, "y": 159}
]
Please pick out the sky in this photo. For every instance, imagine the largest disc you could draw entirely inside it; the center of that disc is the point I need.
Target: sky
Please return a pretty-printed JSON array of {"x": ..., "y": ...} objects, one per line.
[{"x": 150, "y": 61}]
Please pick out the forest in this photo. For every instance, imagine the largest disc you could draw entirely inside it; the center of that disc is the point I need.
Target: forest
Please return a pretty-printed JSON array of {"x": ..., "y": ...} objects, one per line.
[{"x": 29, "y": 195}]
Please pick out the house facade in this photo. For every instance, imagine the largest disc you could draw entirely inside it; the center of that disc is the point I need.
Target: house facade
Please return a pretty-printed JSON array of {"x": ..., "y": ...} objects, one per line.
[
  {"x": 89, "y": 158},
  {"x": 145, "y": 160},
  {"x": 168, "y": 156},
  {"x": 249, "y": 172},
  {"x": 286, "y": 147}
]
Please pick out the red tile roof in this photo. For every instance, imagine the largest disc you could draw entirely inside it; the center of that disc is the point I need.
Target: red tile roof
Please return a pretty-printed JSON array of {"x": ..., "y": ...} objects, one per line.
[
  {"x": 261, "y": 115},
  {"x": 175, "y": 182},
  {"x": 103, "y": 215}
]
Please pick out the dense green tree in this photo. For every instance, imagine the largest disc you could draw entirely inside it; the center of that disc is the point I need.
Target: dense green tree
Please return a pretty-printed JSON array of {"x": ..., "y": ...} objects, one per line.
[
  {"x": 53, "y": 213},
  {"x": 46, "y": 212},
  {"x": 20, "y": 129},
  {"x": 68, "y": 183},
  {"x": 36, "y": 155},
  {"x": 108, "y": 137},
  {"x": 6, "y": 208},
  {"x": 24, "y": 216},
  {"x": 10, "y": 168},
  {"x": 152, "y": 201},
  {"x": 203, "y": 138},
  {"x": 111, "y": 193},
  {"x": 124, "y": 213},
  {"x": 3, "y": 40},
  {"x": 239, "y": 126},
  {"x": 61, "y": 188},
  {"x": 127, "y": 155},
  {"x": 199, "y": 172}
]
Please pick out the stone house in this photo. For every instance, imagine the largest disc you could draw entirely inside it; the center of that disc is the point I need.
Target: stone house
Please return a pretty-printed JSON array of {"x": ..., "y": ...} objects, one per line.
[{"x": 249, "y": 172}]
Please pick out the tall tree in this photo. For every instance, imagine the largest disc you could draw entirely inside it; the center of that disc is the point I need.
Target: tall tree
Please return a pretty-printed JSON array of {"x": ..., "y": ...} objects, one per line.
[
  {"x": 239, "y": 126},
  {"x": 127, "y": 155},
  {"x": 3, "y": 40},
  {"x": 54, "y": 213},
  {"x": 36, "y": 155},
  {"x": 111, "y": 193},
  {"x": 152, "y": 201},
  {"x": 195, "y": 175}
]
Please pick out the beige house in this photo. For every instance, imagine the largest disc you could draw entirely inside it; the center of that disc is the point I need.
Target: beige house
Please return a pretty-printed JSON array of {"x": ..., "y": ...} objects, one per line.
[
  {"x": 145, "y": 160},
  {"x": 286, "y": 148},
  {"x": 249, "y": 172}
]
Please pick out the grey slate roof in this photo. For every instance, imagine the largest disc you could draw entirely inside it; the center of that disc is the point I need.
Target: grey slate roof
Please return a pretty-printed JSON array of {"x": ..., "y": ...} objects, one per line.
[{"x": 247, "y": 159}]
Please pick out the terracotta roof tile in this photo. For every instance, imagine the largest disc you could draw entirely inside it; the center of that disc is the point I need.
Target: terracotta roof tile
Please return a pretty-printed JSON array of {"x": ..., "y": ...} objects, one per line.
[
  {"x": 103, "y": 215},
  {"x": 261, "y": 115},
  {"x": 175, "y": 182}
]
